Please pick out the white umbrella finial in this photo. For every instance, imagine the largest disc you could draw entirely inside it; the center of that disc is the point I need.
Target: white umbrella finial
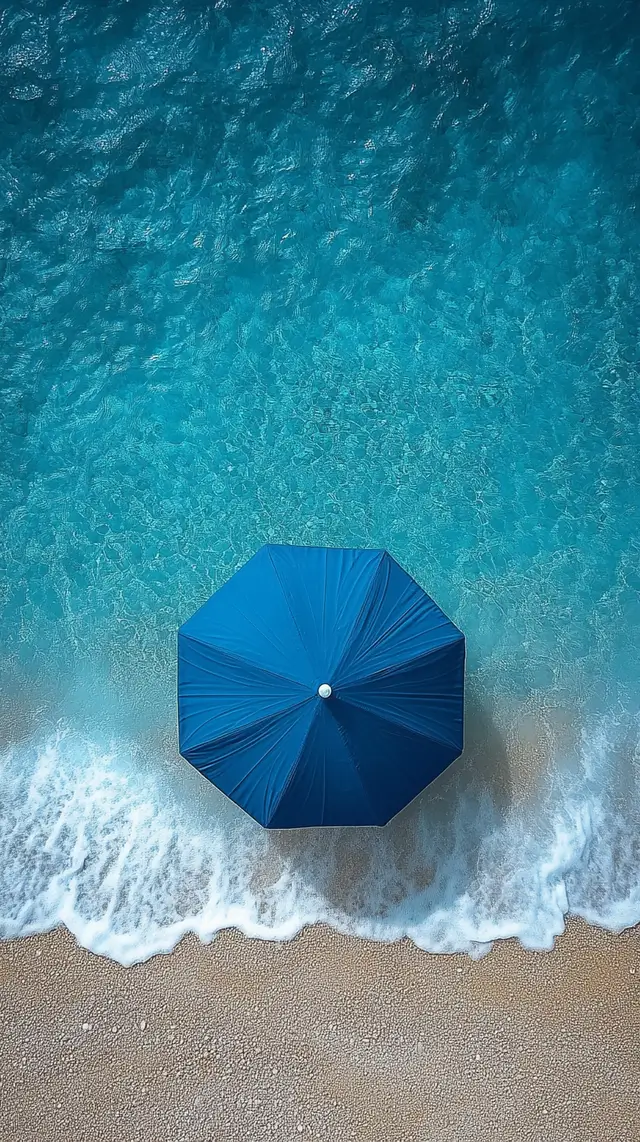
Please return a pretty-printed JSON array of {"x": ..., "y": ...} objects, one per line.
[{"x": 325, "y": 690}]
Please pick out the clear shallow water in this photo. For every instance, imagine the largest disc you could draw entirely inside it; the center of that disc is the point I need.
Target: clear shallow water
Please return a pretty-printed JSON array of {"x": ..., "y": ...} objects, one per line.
[{"x": 363, "y": 275}]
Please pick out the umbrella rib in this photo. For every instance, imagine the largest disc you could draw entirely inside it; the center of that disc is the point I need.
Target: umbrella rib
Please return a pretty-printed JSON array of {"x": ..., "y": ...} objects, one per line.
[
  {"x": 398, "y": 667},
  {"x": 289, "y": 608},
  {"x": 261, "y": 759},
  {"x": 445, "y": 617},
  {"x": 244, "y": 661},
  {"x": 242, "y": 728},
  {"x": 384, "y": 717},
  {"x": 352, "y": 759},
  {"x": 363, "y": 607},
  {"x": 390, "y": 630},
  {"x": 293, "y": 768},
  {"x": 356, "y": 770},
  {"x": 445, "y": 620}
]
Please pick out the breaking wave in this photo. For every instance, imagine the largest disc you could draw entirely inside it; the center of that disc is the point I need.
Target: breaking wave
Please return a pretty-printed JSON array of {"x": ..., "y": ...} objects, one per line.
[{"x": 130, "y": 862}]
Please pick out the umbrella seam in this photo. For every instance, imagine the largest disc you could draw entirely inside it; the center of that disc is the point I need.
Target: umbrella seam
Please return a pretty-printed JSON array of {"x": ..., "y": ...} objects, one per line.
[
  {"x": 254, "y": 767},
  {"x": 398, "y": 722},
  {"x": 366, "y": 786},
  {"x": 356, "y": 768},
  {"x": 401, "y": 618},
  {"x": 290, "y": 610},
  {"x": 398, "y": 667},
  {"x": 293, "y": 768},
  {"x": 364, "y": 605},
  {"x": 420, "y": 588},
  {"x": 390, "y": 630},
  {"x": 243, "y": 661},
  {"x": 246, "y": 726}
]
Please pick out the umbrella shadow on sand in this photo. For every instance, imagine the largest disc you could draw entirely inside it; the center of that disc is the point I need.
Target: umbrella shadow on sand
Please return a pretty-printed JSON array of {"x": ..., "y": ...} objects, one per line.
[{"x": 386, "y": 879}]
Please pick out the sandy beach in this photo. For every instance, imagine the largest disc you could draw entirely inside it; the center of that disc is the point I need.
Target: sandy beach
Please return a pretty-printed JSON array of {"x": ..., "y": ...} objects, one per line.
[{"x": 325, "y": 1037}]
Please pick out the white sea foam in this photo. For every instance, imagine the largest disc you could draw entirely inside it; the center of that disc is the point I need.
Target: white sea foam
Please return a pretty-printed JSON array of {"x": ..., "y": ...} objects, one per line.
[{"x": 130, "y": 861}]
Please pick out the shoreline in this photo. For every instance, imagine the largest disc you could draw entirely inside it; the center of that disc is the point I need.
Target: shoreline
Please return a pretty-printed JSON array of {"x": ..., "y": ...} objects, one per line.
[{"x": 323, "y": 1036}]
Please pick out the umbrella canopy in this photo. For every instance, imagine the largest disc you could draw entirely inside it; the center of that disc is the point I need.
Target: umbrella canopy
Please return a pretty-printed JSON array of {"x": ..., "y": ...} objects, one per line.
[{"x": 320, "y": 686}]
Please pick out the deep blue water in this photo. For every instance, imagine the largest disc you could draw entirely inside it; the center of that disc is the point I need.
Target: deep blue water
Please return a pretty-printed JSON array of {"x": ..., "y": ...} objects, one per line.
[{"x": 361, "y": 275}]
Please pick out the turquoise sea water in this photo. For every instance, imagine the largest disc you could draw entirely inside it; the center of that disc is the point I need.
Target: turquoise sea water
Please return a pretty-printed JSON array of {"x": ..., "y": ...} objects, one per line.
[{"x": 361, "y": 274}]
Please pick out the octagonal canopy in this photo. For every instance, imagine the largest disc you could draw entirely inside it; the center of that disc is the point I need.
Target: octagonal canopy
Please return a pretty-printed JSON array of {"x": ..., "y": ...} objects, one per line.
[{"x": 320, "y": 686}]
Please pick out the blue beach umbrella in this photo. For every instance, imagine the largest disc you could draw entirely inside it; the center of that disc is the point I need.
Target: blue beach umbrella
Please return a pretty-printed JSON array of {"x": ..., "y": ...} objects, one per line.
[{"x": 320, "y": 686}]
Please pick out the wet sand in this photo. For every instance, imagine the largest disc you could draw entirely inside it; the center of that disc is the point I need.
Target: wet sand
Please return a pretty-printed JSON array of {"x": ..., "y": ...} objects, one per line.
[{"x": 324, "y": 1037}]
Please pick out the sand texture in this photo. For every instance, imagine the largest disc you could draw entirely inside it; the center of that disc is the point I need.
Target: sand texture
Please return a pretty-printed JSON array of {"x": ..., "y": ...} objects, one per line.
[{"x": 324, "y": 1037}]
